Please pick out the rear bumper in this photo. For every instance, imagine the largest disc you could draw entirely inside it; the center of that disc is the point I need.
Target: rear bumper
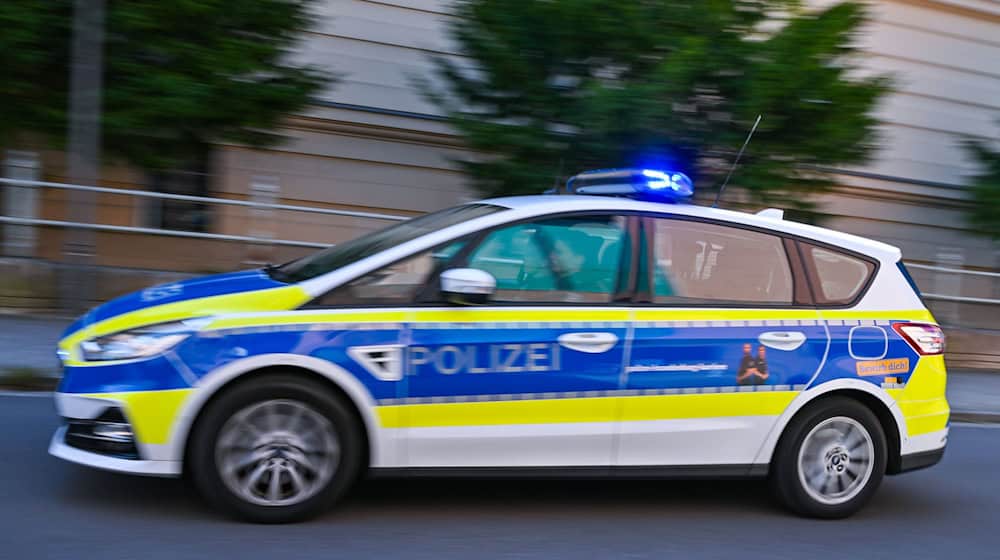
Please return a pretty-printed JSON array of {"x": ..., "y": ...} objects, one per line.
[
  {"x": 921, "y": 451},
  {"x": 922, "y": 460}
]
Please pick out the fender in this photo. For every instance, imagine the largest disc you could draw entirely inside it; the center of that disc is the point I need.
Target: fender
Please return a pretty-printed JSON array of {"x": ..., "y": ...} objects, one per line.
[
  {"x": 381, "y": 444},
  {"x": 809, "y": 395}
]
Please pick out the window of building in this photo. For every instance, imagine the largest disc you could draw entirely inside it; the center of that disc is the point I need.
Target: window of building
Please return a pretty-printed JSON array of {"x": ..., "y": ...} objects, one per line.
[
  {"x": 700, "y": 262},
  {"x": 178, "y": 215}
]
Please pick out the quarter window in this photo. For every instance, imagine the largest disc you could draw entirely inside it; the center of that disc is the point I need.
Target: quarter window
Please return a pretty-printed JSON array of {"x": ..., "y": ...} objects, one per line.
[
  {"x": 695, "y": 262},
  {"x": 572, "y": 259},
  {"x": 840, "y": 277}
]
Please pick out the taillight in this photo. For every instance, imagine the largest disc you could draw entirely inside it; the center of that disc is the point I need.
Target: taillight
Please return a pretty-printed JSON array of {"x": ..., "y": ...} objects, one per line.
[{"x": 926, "y": 339}]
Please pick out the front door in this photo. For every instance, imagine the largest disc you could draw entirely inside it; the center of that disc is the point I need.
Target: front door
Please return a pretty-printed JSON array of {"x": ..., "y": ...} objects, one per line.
[
  {"x": 721, "y": 347},
  {"x": 529, "y": 379}
]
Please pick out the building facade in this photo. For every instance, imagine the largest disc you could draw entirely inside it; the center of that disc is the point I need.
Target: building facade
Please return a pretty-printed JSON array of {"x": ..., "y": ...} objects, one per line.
[{"x": 373, "y": 143}]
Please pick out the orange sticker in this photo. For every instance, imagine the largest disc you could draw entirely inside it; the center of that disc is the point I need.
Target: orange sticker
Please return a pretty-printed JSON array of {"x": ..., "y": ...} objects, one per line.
[{"x": 884, "y": 367}]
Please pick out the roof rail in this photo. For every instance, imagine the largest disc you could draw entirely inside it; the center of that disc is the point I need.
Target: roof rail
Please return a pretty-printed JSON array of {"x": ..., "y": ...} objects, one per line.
[{"x": 772, "y": 213}]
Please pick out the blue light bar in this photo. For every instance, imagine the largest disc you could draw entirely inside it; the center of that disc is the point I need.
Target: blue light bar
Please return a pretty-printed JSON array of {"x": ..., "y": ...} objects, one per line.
[{"x": 644, "y": 184}]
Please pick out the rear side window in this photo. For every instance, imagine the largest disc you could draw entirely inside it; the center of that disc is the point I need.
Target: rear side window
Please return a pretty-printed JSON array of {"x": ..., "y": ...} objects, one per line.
[
  {"x": 694, "y": 262},
  {"x": 839, "y": 277}
]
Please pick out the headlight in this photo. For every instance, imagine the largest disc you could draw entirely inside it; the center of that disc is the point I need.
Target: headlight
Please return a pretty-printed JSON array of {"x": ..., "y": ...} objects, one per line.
[{"x": 138, "y": 343}]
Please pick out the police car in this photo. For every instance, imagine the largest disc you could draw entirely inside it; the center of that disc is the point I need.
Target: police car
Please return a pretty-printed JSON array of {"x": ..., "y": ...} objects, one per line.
[{"x": 614, "y": 331}]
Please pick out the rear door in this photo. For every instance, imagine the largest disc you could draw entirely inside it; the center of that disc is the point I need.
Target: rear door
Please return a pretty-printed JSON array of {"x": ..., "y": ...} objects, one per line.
[{"x": 725, "y": 337}]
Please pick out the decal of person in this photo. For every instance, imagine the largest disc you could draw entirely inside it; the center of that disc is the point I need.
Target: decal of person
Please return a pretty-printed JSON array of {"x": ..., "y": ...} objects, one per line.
[
  {"x": 762, "y": 373},
  {"x": 746, "y": 363},
  {"x": 753, "y": 369}
]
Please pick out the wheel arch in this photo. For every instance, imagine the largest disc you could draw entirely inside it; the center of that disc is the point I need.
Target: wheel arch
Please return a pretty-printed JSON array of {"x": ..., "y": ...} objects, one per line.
[
  {"x": 874, "y": 398},
  {"x": 337, "y": 379}
]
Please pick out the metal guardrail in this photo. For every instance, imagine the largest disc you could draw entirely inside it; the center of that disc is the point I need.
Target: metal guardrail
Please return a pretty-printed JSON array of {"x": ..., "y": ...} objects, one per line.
[
  {"x": 959, "y": 271},
  {"x": 13, "y": 220},
  {"x": 155, "y": 231},
  {"x": 204, "y": 199},
  {"x": 953, "y": 270}
]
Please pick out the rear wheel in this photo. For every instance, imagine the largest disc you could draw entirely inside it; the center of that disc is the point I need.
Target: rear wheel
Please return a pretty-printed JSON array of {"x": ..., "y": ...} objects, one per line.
[
  {"x": 831, "y": 459},
  {"x": 275, "y": 449}
]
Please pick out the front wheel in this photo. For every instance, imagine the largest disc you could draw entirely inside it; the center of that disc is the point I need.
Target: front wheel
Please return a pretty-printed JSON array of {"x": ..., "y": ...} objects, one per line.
[
  {"x": 275, "y": 449},
  {"x": 831, "y": 459}
]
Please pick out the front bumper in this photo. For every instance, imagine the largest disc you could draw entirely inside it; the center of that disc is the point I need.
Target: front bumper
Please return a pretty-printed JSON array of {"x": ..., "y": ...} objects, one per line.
[
  {"x": 59, "y": 448},
  {"x": 149, "y": 416}
]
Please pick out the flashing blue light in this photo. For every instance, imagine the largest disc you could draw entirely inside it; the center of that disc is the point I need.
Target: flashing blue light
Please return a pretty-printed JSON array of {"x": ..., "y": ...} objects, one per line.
[
  {"x": 677, "y": 182},
  {"x": 647, "y": 184}
]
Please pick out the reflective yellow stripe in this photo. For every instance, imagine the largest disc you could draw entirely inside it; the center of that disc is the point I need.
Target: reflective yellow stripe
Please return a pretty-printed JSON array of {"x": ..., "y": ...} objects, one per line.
[
  {"x": 898, "y": 315},
  {"x": 520, "y": 314},
  {"x": 705, "y": 405},
  {"x": 151, "y": 413},
  {"x": 528, "y": 314},
  {"x": 547, "y": 411},
  {"x": 596, "y": 409},
  {"x": 311, "y": 317},
  {"x": 283, "y": 298},
  {"x": 651, "y": 314}
]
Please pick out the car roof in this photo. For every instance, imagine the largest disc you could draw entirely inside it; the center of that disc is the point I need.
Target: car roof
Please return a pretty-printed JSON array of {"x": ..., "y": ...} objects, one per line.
[{"x": 569, "y": 203}]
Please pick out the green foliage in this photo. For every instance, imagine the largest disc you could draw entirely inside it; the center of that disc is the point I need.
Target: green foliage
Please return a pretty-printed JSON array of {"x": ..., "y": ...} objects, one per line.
[
  {"x": 178, "y": 75},
  {"x": 27, "y": 378},
  {"x": 557, "y": 87},
  {"x": 985, "y": 212}
]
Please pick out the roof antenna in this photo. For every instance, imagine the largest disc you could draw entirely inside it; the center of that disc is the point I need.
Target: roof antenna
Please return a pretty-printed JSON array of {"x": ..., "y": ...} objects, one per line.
[
  {"x": 556, "y": 184},
  {"x": 735, "y": 162}
]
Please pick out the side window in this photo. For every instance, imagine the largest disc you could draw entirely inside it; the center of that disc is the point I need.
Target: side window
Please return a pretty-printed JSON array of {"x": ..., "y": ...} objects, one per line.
[
  {"x": 840, "y": 277},
  {"x": 698, "y": 262},
  {"x": 397, "y": 283},
  {"x": 573, "y": 259}
]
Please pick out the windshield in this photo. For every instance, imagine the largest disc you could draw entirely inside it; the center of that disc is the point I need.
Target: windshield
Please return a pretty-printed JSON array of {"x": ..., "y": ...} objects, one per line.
[{"x": 356, "y": 249}]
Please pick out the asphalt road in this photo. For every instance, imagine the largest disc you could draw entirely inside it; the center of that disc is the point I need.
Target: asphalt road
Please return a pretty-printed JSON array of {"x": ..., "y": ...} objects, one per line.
[{"x": 52, "y": 509}]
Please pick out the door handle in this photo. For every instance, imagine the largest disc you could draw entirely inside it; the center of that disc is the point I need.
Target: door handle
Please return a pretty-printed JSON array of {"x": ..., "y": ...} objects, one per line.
[
  {"x": 589, "y": 342},
  {"x": 782, "y": 340}
]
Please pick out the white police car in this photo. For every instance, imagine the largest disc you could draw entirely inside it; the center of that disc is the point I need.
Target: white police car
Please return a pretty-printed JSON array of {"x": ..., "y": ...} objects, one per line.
[{"x": 540, "y": 335}]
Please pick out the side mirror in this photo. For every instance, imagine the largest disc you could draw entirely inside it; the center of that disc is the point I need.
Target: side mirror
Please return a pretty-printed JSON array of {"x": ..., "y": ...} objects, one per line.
[{"x": 467, "y": 286}]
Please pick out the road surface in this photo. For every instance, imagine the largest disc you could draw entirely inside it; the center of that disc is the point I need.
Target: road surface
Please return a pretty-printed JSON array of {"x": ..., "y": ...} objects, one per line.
[{"x": 51, "y": 509}]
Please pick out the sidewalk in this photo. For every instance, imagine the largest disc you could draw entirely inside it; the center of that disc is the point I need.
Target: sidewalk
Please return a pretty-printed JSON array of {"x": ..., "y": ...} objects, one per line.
[{"x": 28, "y": 341}]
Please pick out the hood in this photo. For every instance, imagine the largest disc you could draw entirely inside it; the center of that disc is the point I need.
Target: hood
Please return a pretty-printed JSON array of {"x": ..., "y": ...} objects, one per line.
[{"x": 174, "y": 292}]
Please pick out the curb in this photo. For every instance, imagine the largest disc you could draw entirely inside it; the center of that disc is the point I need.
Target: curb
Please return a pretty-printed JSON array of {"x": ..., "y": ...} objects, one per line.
[{"x": 975, "y": 417}]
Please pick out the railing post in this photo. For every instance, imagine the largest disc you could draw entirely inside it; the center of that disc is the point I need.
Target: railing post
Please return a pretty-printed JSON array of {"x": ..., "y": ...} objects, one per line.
[
  {"x": 20, "y": 202},
  {"x": 948, "y": 283},
  {"x": 77, "y": 287},
  {"x": 264, "y": 191}
]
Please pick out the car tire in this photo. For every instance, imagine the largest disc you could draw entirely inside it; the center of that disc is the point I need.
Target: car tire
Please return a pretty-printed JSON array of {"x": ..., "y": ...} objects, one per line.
[
  {"x": 830, "y": 460},
  {"x": 276, "y": 448}
]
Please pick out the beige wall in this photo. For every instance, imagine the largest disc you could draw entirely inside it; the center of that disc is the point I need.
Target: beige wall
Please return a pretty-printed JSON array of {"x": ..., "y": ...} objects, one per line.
[
  {"x": 943, "y": 55},
  {"x": 374, "y": 143}
]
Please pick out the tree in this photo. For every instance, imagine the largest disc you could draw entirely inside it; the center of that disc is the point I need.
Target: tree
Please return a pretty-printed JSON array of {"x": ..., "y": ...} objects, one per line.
[
  {"x": 984, "y": 214},
  {"x": 553, "y": 88},
  {"x": 179, "y": 75}
]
